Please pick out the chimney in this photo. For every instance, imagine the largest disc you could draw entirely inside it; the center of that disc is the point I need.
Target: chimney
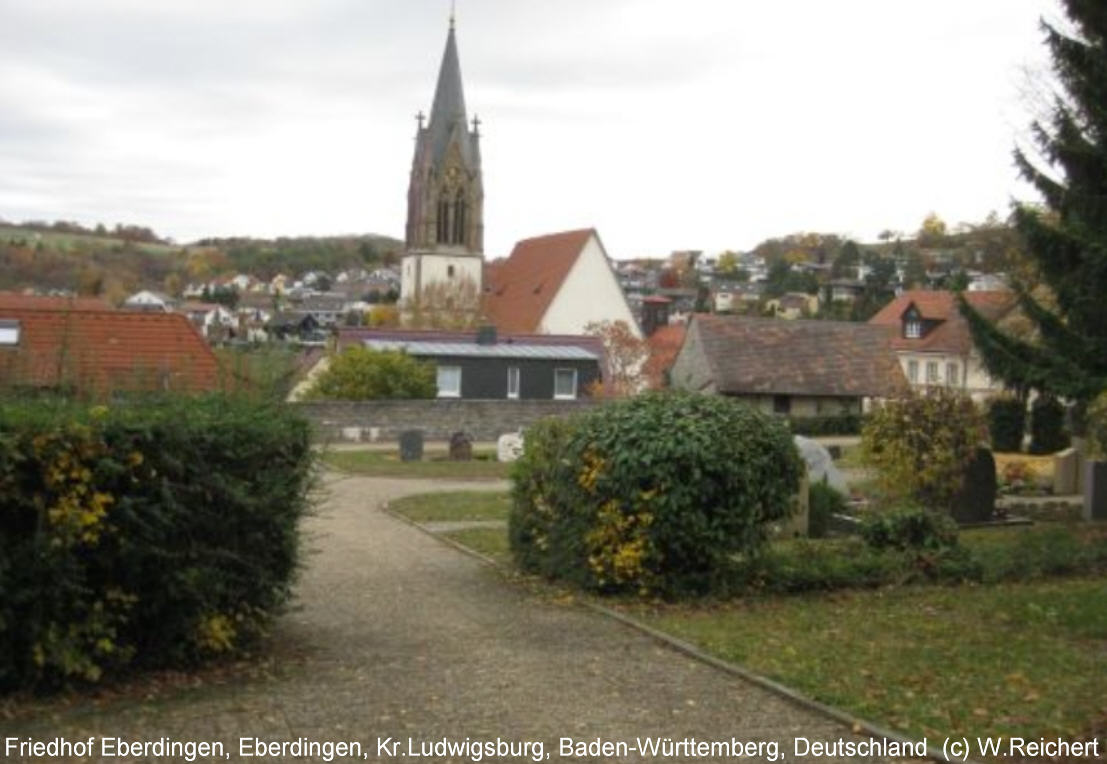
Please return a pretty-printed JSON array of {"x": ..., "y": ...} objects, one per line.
[{"x": 486, "y": 335}]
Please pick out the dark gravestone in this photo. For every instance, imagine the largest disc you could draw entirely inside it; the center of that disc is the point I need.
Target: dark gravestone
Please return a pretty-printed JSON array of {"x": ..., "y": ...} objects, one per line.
[
  {"x": 411, "y": 445},
  {"x": 976, "y": 501},
  {"x": 461, "y": 447},
  {"x": 1095, "y": 491}
]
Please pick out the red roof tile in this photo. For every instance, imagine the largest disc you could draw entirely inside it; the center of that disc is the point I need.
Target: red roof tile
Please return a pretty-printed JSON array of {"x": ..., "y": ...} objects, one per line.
[
  {"x": 102, "y": 351},
  {"x": 950, "y": 332},
  {"x": 523, "y": 286}
]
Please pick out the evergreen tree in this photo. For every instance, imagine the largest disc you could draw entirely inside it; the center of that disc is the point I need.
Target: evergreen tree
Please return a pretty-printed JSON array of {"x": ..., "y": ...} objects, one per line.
[{"x": 1067, "y": 239}]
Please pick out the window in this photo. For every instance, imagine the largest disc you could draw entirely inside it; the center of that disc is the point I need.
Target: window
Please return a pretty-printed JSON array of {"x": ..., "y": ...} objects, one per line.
[
  {"x": 912, "y": 329},
  {"x": 449, "y": 381},
  {"x": 931, "y": 372},
  {"x": 459, "y": 219},
  {"x": 513, "y": 382},
  {"x": 449, "y": 271},
  {"x": 782, "y": 404},
  {"x": 953, "y": 375},
  {"x": 565, "y": 384},
  {"x": 9, "y": 333},
  {"x": 913, "y": 372},
  {"x": 443, "y": 228}
]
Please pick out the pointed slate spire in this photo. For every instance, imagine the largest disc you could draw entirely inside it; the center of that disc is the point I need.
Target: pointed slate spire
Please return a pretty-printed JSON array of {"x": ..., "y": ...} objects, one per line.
[{"x": 448, "y": 111}]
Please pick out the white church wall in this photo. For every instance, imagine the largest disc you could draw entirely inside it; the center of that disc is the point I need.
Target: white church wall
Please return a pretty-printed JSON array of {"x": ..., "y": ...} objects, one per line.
[{"x": 590, "y": 293}]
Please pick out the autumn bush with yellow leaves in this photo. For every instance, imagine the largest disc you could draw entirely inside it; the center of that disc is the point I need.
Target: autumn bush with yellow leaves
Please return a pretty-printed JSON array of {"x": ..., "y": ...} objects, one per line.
[
  {"x": 147, "y": 534},
  {"x": 659, "y": 494}
]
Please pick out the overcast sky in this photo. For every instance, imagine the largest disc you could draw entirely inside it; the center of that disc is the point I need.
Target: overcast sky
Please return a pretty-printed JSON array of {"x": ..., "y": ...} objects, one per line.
[{"x": 690, "y": 124}]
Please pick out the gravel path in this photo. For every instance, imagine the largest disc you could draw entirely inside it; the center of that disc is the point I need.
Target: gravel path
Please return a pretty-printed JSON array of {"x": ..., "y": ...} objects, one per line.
[{"x": 397, "y": 635}]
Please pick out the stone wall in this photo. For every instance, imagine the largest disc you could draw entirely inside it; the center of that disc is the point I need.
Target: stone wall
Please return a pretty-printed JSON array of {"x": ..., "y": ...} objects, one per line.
[{"x": 383, "y": 421}]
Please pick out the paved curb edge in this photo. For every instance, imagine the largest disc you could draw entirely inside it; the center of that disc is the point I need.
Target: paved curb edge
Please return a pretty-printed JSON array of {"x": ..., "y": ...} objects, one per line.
[{"x": 849, "y": 720}]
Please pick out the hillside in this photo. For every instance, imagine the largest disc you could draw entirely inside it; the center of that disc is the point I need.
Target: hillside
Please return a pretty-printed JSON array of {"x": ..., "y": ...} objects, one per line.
[{"x": 115, "y": 263}]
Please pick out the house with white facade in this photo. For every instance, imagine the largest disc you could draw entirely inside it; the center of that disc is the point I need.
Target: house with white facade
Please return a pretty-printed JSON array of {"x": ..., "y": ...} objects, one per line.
[
  {"x": 932, "y": 339},
  {"x": 148, "y": 300},
  {"x": 556, "y": 284}
]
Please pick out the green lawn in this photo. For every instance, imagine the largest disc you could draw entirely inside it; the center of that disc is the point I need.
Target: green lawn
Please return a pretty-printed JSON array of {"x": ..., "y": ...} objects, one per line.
[
  {"x": 491, "y": 542},
  {"x": 1006, "y": 659},
  {"x": 435, "y": 464},
  {"x": 457, "y": 505}
]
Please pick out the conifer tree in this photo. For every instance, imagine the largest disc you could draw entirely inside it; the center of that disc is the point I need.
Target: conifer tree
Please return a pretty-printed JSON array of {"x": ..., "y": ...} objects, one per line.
[{"x": 1067, "y": 237}]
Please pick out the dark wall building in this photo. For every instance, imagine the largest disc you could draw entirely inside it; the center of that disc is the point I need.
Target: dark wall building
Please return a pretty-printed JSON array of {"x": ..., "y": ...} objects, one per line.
[{"x": 482, "y": 366}]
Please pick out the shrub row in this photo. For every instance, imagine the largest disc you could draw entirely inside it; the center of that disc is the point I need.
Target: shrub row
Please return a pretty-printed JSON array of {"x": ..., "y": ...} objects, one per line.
[
  {"x": 1006, "y": 424},
  {"x": 852, "y": 563},
  {"x": 815, "y": 426},
  {"x": 151, "y": 534},
  {"x": 653, "y": 494}
]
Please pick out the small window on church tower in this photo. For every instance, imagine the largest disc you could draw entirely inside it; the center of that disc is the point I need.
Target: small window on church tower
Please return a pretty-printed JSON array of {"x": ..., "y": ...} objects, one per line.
[{"x": 450, "y": 271}]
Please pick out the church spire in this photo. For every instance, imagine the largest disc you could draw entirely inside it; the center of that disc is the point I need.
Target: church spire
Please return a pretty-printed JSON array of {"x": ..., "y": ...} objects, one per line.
[
  {"x": 445, "y": 196},
  {"x": 448, "y": 109}
]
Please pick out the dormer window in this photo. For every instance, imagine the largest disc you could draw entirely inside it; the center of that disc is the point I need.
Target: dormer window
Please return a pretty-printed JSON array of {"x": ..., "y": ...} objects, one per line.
[
  {"x": 912, "y": 328},
  {"x": 9, "y": 333}
]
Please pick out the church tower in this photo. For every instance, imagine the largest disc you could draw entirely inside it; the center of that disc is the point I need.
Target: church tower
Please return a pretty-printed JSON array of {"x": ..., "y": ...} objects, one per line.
[{"x": 443, "y": 259}]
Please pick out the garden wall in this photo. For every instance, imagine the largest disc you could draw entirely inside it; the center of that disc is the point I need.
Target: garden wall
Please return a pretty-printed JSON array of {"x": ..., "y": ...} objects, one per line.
[{"x": 377, "y": 421}]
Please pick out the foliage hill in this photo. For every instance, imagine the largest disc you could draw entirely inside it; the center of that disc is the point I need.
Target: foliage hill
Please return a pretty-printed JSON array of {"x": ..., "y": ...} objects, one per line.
[{"x": 114, "y": 263}]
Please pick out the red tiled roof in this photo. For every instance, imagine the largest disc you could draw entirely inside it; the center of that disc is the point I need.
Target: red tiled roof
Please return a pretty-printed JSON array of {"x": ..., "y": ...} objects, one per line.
[
  {"x": 664, "y": 344},
  {"x": 523, "y": 286},
  {"x": 102, "y": 351},
  {"x": 818, "y": 358},
  {"x": 951, "y": 332}
]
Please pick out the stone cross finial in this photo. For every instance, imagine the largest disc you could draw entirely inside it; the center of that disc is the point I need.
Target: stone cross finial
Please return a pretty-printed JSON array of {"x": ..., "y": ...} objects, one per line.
[
  {"x": 419, "y": 118},
  {"x": 476, "y": 124}
]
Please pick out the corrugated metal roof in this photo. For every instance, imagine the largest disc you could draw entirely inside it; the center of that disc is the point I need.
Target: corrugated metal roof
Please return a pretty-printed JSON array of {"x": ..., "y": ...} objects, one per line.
[{"x": 473, "y": 350}]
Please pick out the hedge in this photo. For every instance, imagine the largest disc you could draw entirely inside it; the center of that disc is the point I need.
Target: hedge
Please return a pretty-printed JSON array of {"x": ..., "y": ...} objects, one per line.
[
  {"x": 150, "y": 534},
  {"x": 1047, "y": 426},
  {"x": 837, "y": 424},
  {"x": 656, "y": 494},
  {"x": 1006, "y": 424}
]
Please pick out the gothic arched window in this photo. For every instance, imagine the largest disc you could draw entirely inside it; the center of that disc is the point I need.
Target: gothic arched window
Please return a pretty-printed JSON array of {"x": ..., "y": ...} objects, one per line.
[
  {"x": 443, "y": 228},
  {"x": 459, "y": 219}
]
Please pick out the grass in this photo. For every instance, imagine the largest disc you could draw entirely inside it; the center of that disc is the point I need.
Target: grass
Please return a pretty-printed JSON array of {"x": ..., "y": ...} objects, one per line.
[
  {"x": 434, "y": 465},
  {"x": 1007, "y": 659},
  {"x": 491, "y": 542},
  {"x": 457, "y": 505}
]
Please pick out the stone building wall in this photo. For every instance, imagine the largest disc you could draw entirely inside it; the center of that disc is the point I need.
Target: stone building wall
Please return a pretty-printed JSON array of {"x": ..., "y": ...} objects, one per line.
[{"x": 383, "y": 421}]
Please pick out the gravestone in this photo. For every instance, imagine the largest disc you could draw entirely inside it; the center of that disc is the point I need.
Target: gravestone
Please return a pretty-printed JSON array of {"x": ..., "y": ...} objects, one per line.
[
  {"x": 461, "y": 447},
  {"x": 1066, "y": 472},
  {"x": 411, "y": 445},
  {"x": 820, "y": 467},
  {"x": 976, "y": 501},
  {"x": 1095, "y": 490},
  {"x": 509, "y": 447},
  {"x": 351, "y": 434}
]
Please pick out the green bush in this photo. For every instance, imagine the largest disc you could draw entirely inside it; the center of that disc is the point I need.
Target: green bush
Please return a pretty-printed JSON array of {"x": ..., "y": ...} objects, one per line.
[
  {"x": 815, "y": 426},
  {"x": 909, "y": 529},
  {"x": 1006, "y": 424},
  {"x": 991, "y": 556},
  {"x": 921, "y": 444},
  {"x": 653, "y": 494},
  {"x": 1047, "y": 426},
  {"x": 155, "y": 533},
  {"x": 822, "y": 502},
  {"x": 1097, "y": 427},
  {"x": 358, "y": 373}
]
